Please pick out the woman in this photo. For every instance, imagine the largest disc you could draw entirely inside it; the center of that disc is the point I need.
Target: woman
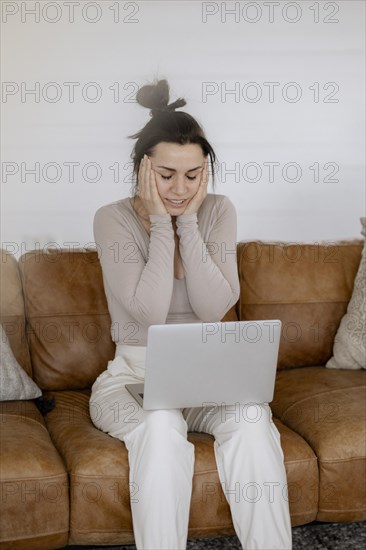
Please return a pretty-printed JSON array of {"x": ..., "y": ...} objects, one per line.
[{"x": 168, "y": 256}]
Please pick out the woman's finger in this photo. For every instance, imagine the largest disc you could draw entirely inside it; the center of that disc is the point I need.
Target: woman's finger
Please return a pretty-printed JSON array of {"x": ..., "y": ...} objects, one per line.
[
  {"x": 145, "y": 178},
  {"x": 205, "y": 172},
  {"x": 141, "y": 177}
]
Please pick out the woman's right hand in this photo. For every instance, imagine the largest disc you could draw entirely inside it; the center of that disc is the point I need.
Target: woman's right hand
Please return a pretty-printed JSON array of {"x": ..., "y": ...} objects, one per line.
[{"x": 147, "y": 189}]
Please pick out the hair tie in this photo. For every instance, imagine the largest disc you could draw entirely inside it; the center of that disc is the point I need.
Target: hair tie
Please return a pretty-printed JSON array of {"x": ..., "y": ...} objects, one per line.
[
  {"x": 165, "y": 108},
  {"x": 169, "y": 108}
]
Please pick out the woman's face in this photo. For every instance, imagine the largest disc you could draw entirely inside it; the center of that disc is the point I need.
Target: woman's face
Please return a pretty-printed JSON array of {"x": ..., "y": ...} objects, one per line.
[{"x": 177, "y": 173}]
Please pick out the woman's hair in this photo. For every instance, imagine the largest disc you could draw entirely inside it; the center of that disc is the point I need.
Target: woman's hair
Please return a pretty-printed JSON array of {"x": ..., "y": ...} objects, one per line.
[{"x": 166, "y": 125}]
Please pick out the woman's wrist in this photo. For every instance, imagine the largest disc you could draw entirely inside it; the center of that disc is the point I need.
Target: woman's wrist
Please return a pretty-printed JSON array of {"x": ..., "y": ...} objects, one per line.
[
  {"x": 160, "y": 218},
  {"x": 183, "y": 218},
  {"x": 186, "y": 224}
]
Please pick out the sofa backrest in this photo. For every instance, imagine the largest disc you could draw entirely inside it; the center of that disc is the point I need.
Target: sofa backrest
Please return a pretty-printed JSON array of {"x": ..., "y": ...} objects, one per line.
[
  {"x": 306, "y": 286},
  {"x": 12, "y": 309},
  {"x": 68, "y": 323}
]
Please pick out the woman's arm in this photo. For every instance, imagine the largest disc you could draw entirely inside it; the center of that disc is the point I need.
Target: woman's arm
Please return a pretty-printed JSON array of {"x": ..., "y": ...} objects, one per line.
[
  {"x": 210, "y": 268},
  {"x": 143, "y": 288}
]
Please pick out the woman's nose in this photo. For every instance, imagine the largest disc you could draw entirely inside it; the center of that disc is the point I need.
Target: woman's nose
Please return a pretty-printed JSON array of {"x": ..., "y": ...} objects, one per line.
[{"x": 179, "y": 186}]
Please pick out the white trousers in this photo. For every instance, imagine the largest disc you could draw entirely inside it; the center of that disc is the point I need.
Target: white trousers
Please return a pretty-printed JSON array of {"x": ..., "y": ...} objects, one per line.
[{"x": 248, "y": 453}]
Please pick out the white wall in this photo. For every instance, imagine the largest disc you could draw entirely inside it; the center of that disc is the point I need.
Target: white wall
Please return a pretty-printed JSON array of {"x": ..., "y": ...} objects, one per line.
[{"x": 204, "y": 52}]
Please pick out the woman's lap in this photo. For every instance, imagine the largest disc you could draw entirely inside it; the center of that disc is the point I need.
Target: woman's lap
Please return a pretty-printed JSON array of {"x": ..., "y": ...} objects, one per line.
[{"x": 114, "y": 411}]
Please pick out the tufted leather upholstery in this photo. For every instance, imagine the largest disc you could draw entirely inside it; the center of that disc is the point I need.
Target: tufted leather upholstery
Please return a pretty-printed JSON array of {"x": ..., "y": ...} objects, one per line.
[
  {"x": 55, "y": 312},
  {"x": 307, "y": 286}
]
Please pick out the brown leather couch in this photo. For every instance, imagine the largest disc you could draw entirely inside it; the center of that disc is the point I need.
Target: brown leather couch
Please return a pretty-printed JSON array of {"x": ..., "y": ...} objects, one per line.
[{"x": 65, "y": 482}]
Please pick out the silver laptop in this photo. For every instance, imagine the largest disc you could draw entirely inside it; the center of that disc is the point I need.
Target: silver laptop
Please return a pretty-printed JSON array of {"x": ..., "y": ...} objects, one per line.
[{"x": 195, "y": 364}]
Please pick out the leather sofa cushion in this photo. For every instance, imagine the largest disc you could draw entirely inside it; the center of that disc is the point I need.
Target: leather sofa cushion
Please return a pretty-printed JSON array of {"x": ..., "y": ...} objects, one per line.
[
  {"x": 12, "y": 309},
  {"x": 99, "y": 477},
  {"x": 327, "y": 408},
  {"x": 306, "y": 286},
  {"x": 34, "y": 483},
  {"x": 302, "y": 475},
  {"x": 67, "y": 317}
]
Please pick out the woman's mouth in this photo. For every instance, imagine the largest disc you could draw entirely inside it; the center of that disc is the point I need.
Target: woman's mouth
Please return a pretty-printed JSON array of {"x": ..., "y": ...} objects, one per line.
[{"x": 176, "y": 203}]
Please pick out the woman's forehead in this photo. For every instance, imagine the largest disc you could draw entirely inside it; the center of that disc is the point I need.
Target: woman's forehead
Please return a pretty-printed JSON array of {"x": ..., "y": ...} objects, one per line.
[{"x": 175, "y": 155}]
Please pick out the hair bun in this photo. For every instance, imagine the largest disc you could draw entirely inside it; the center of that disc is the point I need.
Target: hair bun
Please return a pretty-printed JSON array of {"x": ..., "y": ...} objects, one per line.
[{"x": 156, "y": 97}]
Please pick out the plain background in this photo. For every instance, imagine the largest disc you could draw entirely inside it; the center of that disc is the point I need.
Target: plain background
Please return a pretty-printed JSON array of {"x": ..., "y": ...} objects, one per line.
[{"x": 270, "y": 82}]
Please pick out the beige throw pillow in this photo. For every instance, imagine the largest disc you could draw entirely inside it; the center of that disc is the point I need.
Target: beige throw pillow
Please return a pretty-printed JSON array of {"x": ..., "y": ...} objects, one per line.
[
  {"x": 14, "y": 381},
  {"x": 349, "y": 350}
]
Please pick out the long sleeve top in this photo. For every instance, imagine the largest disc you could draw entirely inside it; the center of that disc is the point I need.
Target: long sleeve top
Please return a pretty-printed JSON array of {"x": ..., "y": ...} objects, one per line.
[{"x": 138, "y": 268}]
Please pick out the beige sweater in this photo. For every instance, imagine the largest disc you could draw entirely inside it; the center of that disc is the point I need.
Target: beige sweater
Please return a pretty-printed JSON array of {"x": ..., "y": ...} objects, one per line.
[{"x": 138, "y": 268}]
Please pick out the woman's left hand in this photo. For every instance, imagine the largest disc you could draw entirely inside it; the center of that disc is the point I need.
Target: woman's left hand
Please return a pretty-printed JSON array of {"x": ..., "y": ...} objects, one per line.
[{"x": 196, "y": 201}]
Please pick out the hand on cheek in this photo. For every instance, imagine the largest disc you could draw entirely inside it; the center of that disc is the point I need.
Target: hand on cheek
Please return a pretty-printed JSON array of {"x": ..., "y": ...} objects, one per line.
[
  {"x": 147, "y": 189},
  {"x": 196, "y": 201}
]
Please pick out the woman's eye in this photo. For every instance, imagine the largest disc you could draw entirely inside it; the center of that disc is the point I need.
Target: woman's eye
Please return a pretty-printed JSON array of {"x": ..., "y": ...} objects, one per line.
[{"x": 191, "y": 178}]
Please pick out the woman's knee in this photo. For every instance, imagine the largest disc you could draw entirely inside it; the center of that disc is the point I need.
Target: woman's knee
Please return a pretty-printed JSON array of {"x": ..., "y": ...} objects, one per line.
[
  {"x": 163, "y": 434},
  {"x": 244, "y": 417},
  {"x": 166, "y": 422}
]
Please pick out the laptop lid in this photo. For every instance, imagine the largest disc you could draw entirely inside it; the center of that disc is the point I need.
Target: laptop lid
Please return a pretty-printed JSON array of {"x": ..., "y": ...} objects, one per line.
[{"x": 193, "y": 364}]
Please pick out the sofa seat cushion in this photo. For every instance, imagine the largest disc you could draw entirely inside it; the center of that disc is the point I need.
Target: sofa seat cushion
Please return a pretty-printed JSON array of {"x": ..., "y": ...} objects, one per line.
[
  {"x": 302, "y": 475},
  {"x": 99, "y": 477},
  {"x": 34, "y": 482},
  {"x": 98, "y": 471},
  {"x": 327, "y": 408}
]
